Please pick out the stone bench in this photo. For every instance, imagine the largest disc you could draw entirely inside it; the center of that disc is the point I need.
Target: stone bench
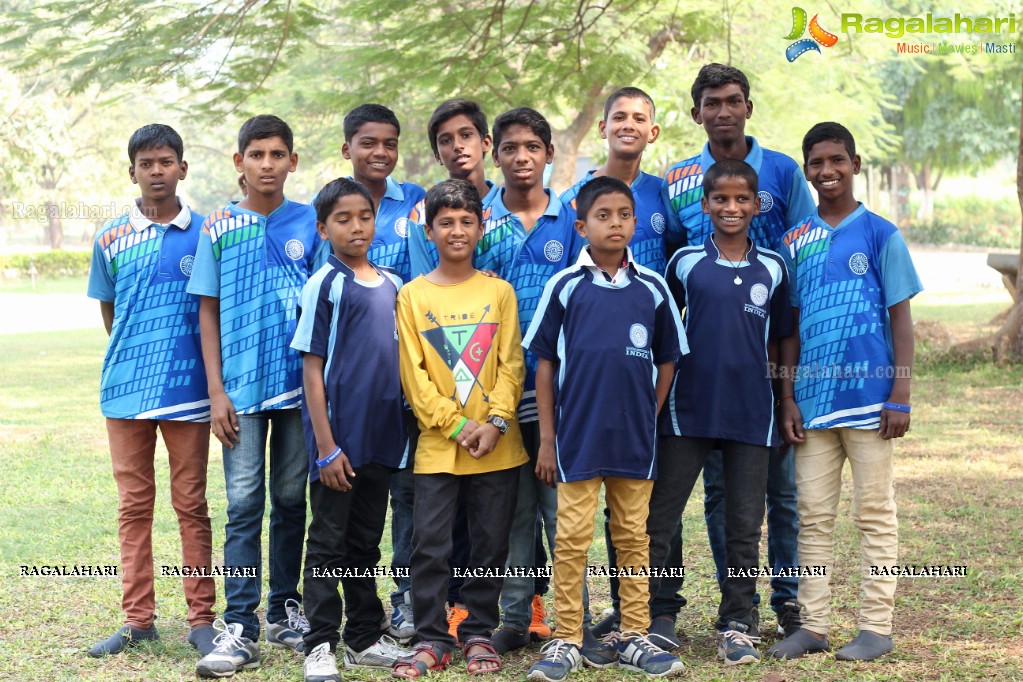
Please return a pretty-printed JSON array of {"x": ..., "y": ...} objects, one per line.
[{"x": 1007, "y": 265}]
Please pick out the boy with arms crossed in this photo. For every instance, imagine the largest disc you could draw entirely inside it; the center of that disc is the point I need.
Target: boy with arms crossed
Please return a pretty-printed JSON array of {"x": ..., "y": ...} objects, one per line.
[
  {"x": 461, "y": 369},
  {"x": 735, "y": 295},
  {"x": 607, "y": 334},
  {"x": 140, "y": 267},
  {"x": 844, "y": 252},
  {"x": 348, "y": 337},
  {"x": 250, "y": 266}
]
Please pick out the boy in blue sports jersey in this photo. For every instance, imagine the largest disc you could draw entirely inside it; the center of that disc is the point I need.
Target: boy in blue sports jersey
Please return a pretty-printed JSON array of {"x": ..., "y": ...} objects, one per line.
[
  {"x": 608, "y": 335},
  {"x": 852, "y": 280},
  {"x": 348, "y": 338},
  {"x": 528, "y": 237},
  {"x": 735, "y": 295},
  {"x": 250, "y": 266},
  {"x": 722, "y": 105},
  {"x": 140, "y": 267}
]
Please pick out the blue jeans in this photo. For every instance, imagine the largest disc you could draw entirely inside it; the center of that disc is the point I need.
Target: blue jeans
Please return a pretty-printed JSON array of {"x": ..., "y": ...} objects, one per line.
[
  {"x": 782, "y": 520},
  {"x": 402, "y": 495},
  {"x": 245, "y": 479}
]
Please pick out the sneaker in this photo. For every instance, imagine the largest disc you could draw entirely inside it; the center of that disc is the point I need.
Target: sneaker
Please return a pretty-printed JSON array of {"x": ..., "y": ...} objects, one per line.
[
  {"x": 789, "y": 618},
  {"x": 403, "y": 626},
  {"x": 600, "y": 653},
  {"x": 456, "y": 614},
  {"x": 509, "y": 639},
  {"x": 289, "y": 632},
  {"x": 866, "y": 646},
  {"x": 609, "y": 622},
  {"x": 538, "y": 628},
  {"x": 797, "y": 644},
  {"x": 636, "y": 653},
  {"x": 559, "y": 659},
  {"x": 736, "y": 647},
  {"x": 662, "y": 633},
  {"x": 125, "y": 638},
  {"x": 382, "y": 654},
  {"x": 232, "y": 653},
  {"x": 201, "y": 637},
  {"x": 320, "y": 665}
]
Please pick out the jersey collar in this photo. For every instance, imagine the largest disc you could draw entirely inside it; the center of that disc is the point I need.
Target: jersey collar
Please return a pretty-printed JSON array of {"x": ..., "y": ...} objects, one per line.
[
  {"x": 140, "y": 222},
  {"x": 586, "y": 260},
  {"x": 755, "y": 157},
  {"x": 860, "y": 210},
  {"x": 712, "y": 248},
  {"x": 498, "y": 210}
]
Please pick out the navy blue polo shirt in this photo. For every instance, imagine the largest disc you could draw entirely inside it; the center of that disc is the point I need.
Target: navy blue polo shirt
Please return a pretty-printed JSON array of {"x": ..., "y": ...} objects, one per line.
[
  {"x": 606, "y": 337},
  {"x": 722, "y": 388},
  {"x": 351, "y": 324}
]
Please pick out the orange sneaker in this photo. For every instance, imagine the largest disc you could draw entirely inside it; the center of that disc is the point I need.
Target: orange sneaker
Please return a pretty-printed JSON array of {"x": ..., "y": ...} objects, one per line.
[
  {"x": 538, "y": 628},
  {"x": 456, "y": 614}
]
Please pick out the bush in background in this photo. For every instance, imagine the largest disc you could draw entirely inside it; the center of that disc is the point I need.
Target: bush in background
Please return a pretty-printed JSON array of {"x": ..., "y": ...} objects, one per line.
[
  {"x": 970, "y": 220},
  {"x": 51, "y": 264}
]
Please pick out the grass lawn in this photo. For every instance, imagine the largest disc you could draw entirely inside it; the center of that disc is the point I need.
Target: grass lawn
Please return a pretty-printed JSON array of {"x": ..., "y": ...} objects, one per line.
[{"x": 959, "y": 476}]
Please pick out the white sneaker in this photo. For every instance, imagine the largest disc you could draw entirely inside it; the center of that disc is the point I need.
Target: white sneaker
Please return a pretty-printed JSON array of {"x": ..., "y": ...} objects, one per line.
[
  {"x": 232, "y": 652},
  {"x": 382, "y": 654},
  {"x": 320, "y": 665}
]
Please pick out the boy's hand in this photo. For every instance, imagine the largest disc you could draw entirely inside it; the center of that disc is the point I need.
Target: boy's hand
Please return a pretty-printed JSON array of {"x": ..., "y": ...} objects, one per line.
[
  {"x": 223, "y": 419},
  {"x": 466, "y": 435},
  {"x": 484, "y": 440},
  {"x": 336, "y": 474},
  {"x": 491, "y": 273},
  {"x": 546, "y": 464},
  {"x": 790, "y": 420},
  {"x": 894, "y": 424}
]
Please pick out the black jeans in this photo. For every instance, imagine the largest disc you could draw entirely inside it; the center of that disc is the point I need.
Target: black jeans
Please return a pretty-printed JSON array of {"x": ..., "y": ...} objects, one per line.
[
  {"x": 679, "y": 462},
  {"x": 345, "y": 534},
  {"x": 489, "y": 504}
]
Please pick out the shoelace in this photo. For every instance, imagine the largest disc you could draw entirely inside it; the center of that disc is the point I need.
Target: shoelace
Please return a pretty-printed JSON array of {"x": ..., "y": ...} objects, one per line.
[
  {"x": 390, "y": 647},
  {"x": 296, "y": 618},
  {"x": 738, "y": 638},
  {"x": 319, "y": 656},
  {"x": 226, "y": 641},
  {"x": 555, "y": 650},
  {"x": 641, "y": 642}
]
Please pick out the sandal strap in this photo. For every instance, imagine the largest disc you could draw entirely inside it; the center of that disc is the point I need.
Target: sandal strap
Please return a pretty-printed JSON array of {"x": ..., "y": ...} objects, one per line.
[{"x": 480, "y": 641}]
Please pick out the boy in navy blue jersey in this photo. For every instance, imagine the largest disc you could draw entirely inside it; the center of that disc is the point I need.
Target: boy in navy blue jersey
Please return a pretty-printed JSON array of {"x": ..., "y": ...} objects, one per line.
[
  {"x": 251, "y": 263},
  {"x": 722, "y": 105},
  {"x": 607, "y": 334},
  {"x": 140, "y": 267},
  {"x": 849, "y": 396},
  {"x": 349, "y": 341},
  {"x": 734, "y": 294}
]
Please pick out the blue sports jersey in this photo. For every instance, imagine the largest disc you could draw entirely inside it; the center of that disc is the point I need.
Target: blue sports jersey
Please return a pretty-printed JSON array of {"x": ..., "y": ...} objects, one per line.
[
  {"x": 606, "y": 338},
  {"x": 722, "y": 388},
  {"x": 422, "y": 252},
  {"x": 784, "y": 197},
  {"x": 844, "y": 280},
  {"x": 654, "y": 221},
  {"x": 351, "y": 325},
  {"x": 153, "y": 366},
  {"x": 257, "y": 265},
  {"x": 396, "y": 218},
  {"x": 527, "y": 260}
]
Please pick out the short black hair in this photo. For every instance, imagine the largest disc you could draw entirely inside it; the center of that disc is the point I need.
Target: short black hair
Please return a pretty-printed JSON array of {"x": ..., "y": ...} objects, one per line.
[
  {"x": 825, "y": 132},
  {"x": 729, "y": 168},
  {"x": 263, "y": 127},
  {"x": 368, "y": 113},
  {"x": 332, "y": 192},
  {"x": 630, "y": 93},
  {"x": 598, "y": 187},
  {"x": 524, "y": 116},
  {"x": 448, "y": 109},
  {"x": 152, "y": 136},
  {"x": 715, "y": 75},
  {"x": 453, "y": 194}
]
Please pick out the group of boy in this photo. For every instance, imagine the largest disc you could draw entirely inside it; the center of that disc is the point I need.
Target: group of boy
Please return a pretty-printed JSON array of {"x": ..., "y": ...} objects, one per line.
[{"x": 441, "y": 349}]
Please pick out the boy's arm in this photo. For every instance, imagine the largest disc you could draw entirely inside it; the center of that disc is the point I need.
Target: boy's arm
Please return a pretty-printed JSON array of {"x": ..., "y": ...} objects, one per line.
[
  {"x": 101, "y": 284},
  {"x": 665, "y": 375},
  {"x": 106, "y": 309},
  {"x": 223, "y": 418},
  {"x": 336, "y": 474},
  {"x": 789, "y": 417},
  {"x": 895, "y": 423},
  {"x": 546, "y": 462}
]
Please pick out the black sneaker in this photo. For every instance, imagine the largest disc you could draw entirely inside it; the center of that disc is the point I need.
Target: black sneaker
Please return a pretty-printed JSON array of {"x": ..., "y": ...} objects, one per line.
[
  {"x": 662, "y": 633},
  {"x": 789, "y": 618},
  {"x": 125, "y": 638},
  {"x": 610, "y": 622}
]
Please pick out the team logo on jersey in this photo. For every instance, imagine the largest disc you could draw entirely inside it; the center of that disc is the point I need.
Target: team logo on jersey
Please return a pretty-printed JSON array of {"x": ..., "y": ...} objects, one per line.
[
  {"x": 858, "y": 263},
  {"x": 401, "y": 227},
  {"x": 553, "y": 250},
  {"x": 294, "y": 248},
  {"x": 766, "y": 201},
  {"x": 758, "y": 294},
  {"x": 464, "y": 348},
  {"x": 638, "y": 335},
  {"x": 186, "y": 265},
  {"x": 657, "y": 223}
]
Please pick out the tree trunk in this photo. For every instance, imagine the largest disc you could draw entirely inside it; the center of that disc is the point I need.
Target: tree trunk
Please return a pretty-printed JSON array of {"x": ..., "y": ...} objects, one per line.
[
  {"x": 567, "y": 141},
  {"x": 926, "y": 185}
]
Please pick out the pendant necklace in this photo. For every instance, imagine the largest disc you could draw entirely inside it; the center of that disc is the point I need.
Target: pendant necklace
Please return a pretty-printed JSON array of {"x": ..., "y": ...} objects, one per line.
[{"x": 735, "y": 265}]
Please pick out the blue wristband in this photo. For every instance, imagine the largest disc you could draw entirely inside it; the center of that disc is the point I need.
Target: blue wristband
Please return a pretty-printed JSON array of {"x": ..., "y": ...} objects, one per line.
[
  {"x": 897, "y": 407},
  {"x": 329, "y": 458}
]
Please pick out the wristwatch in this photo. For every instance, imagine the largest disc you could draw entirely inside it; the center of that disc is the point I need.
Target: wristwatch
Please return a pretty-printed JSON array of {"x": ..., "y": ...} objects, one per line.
[{"x": 501, "y": 424}]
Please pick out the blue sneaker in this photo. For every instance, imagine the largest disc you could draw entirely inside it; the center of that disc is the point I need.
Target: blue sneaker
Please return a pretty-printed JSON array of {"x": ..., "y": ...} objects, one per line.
[
  {"x": 402, "y": 626},
  {"x": 599, "y": 653},
  {"x": 636, "y": 653},
  {"x": 290, "y": 632},
  {"x": 559, "y": 659},
  {"x": 125, "y": 638},
  {"x": 736, "y": 646}
]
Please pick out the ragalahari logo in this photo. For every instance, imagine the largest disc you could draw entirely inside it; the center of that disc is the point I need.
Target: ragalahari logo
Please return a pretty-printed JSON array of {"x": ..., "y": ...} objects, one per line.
[{"x": 817, "y": 35}]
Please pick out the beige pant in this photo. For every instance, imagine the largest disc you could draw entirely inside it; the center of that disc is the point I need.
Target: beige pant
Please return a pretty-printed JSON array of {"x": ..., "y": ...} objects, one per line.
[
  {"x": 819, "y": 463},
  {"x": 629, "y": 502}
]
